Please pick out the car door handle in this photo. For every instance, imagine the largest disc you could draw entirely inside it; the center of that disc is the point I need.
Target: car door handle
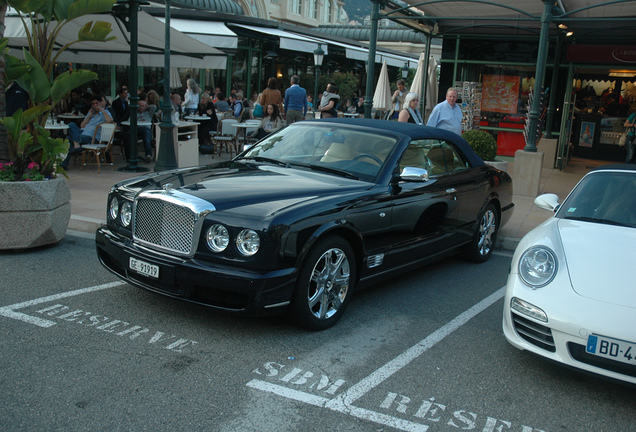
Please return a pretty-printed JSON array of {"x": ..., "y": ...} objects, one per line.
[{"x": 451, "y": 190}]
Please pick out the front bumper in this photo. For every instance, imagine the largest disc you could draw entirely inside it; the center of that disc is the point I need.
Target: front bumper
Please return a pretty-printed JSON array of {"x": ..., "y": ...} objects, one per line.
[{"x": 225, "y": 288}]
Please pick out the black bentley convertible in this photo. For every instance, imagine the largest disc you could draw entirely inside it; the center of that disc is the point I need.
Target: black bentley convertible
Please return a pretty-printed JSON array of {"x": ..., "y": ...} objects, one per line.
[{"x": 304, "y": 217}]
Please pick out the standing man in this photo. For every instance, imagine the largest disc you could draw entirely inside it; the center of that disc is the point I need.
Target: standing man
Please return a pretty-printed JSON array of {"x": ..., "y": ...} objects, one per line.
[
  {"x": 447, "y": 115},
  {"x": 121, "y": 106},
  {"x": 398, "y": 99},
  {"x": 295, "y": 101}
]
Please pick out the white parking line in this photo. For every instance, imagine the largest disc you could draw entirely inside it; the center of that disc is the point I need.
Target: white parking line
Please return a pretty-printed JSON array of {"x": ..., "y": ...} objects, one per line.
[
  {"x": 344, "y": 402},
  {"x": 10, "y": 311}
]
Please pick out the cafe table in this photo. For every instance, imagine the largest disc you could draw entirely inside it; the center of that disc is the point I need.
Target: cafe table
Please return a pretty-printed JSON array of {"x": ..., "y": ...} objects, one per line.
[
  {"x": 351, "y": 115},
  {"x": 245, "y": 127},
  {"x": 68, "y": 117},
  {"x": 139, "y": 123},
  {"x": 197, "y": 117}
]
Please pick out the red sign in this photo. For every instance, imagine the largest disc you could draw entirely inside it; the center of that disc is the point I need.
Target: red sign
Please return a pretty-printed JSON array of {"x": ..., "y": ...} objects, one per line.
[{"x": 607, "y": 54}]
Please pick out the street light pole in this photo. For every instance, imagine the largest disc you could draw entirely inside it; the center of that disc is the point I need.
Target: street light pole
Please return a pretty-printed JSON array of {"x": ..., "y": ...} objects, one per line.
[
  {"x": 165, "y": 157},
  {"x": 319, "y": 55}
]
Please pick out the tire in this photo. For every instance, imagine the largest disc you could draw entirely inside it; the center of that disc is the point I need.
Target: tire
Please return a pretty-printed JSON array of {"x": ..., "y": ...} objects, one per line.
[
  {"x": 481, "y": 245},
  {"x": 324, "y": 285}
]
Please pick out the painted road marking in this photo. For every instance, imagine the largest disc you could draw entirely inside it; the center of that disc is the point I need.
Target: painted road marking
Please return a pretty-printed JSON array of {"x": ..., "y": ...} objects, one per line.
[
  {"x": 10, "y": 311},
  {"x": 343, "y": 403}
]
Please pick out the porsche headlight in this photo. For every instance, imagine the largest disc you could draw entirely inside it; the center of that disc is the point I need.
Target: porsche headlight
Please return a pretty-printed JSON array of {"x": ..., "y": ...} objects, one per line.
[
  {"x": 126, "y": 213},
  {"x": 113, "y": 208},
  {"x": 248, "y": 242},
  {"x": 217, "y": 238},
  {"x": 538, "y": 266}
]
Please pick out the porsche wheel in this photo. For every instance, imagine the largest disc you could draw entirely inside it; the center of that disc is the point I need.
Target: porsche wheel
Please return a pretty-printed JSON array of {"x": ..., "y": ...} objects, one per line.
[
  {"x": 483, "y": 241},
  {"x": 324, "y": 284}
]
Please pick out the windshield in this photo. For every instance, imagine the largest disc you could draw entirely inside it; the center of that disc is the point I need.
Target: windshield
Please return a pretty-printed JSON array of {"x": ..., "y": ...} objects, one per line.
[
  {"x": 603, "y": 197},
  {"x": 335, "y": 149}
]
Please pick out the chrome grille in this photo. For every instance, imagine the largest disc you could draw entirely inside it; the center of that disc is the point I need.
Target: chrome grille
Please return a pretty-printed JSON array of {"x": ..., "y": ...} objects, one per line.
[{"x": 164, "y": 224}]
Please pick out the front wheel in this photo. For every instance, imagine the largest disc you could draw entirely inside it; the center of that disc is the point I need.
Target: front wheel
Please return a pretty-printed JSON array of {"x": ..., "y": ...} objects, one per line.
[
  {"x": 324, "y": 284},
  {"x": 480, "y": 247}
]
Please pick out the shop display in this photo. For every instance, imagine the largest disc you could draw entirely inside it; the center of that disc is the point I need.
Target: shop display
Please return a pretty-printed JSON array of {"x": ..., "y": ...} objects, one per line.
[{"x": 470, "y": 93}]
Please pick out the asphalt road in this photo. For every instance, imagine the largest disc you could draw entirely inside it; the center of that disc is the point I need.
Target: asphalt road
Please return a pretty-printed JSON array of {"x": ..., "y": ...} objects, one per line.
[{"x": 84, "y": 351}]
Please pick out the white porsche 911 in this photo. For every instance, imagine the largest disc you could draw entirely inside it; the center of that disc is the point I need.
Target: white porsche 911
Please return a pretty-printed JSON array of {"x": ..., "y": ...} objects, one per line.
[{"x": 571, "y": 292}]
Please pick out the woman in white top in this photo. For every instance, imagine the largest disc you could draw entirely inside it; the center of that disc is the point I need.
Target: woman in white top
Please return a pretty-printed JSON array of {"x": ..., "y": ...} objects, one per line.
[{"x": 191, "y": 99}]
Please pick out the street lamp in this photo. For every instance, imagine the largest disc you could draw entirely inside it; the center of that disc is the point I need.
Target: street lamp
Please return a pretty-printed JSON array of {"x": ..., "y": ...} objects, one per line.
[
  {"x": 319, "y": 55},
  {"x": 405, "y": 70}
]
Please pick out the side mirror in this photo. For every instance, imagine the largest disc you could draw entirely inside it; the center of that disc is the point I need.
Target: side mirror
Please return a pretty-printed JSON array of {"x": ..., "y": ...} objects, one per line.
[
  {"x": 547, "y": 202},
  {"x": 413, "y": 174}
]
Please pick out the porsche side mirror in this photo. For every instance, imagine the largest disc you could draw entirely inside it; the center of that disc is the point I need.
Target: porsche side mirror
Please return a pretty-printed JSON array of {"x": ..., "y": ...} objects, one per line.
[
  {"x": 413, "y": 174},
  {"x": 547, "y": 201}
]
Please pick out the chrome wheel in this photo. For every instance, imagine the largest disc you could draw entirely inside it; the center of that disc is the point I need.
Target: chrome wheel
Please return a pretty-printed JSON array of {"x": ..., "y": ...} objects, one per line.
[
  {"x": 329, "y": 284},
  {"x": 480, "y": 247},
  {"x": 324, "y": 284}
]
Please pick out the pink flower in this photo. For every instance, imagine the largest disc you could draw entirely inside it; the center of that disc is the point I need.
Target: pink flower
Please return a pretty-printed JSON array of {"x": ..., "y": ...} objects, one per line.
[{"x": 33, "y": 165}]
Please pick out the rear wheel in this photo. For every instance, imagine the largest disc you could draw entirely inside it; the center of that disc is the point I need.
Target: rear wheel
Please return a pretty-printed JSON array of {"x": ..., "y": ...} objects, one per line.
[
  {"x": 483, "y": 241},
  {"x": 324, "y": 284}
]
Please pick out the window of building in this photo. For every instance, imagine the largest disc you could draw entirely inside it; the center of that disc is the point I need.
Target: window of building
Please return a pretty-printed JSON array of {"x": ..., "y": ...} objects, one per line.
[
  {"x": 313, "y": 9},
  {"x": 328, "y": 12},
  {"x": 296, "y": 6}
]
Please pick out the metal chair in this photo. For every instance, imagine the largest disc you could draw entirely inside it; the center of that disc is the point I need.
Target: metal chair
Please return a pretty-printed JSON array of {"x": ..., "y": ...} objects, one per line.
[
  {"x": 227, "y": 137},
  {"x": 100, "y": 148}
]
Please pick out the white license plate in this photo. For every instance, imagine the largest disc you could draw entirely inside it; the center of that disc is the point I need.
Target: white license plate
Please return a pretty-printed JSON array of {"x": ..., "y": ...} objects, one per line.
[
  {"x": 615, "y": 349},
  {"x": 144, "y": 268}
]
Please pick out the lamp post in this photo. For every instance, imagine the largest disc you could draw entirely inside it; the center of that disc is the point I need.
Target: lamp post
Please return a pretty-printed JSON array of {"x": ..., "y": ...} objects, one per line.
[
  {"x": 319, "y": 55},
  {"x": 166, "y": 158},
  {"x": 405, "y": 70},
  {"x": 127, "y": 10}
]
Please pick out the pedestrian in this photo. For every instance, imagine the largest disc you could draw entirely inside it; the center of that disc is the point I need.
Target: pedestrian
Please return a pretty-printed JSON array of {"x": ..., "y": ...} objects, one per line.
[
  {"x": 295, "y": 101},
  {"x": 631, "y": 139},
  {"x": 271, "y": 95},
  {"x": 410, "y": 113},
  {"x": 447, "y": 115},
  {"x": 191, "y": 99},
  {"x": 329, "y": 102},
  {"x": 121, "y": 106},
  {"x": 398, "y": 99}
]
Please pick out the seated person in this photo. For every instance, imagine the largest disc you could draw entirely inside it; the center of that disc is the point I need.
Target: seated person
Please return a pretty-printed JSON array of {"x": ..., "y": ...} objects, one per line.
[
  {"x": 83, "y": 134},
  {"x": 145, "y": 113},
  {"x": 270, "y": 123},
  {"x": 221, "y": 104},
  {"x": 177, "y": 112},
  {"x": 121, "y": 107},
  {"x": 206, "y": 108},
  {"x": 236, "y": 105}
]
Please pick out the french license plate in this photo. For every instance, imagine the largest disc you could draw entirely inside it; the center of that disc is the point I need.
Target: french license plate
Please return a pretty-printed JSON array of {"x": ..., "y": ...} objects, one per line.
[
  {"x": 144, "y": 268},
  {"x": 615, "y": 349}
]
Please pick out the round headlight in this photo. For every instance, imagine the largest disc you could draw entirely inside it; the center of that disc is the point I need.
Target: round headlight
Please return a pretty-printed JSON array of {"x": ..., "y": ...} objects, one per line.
[
  {"x": 248, "y": 242},
  {"x": 538, "y": 266},
  {"x": 126, "y": 213},
  {"x": 217, "y": 238},
  {"x": 113, "y": 208}
]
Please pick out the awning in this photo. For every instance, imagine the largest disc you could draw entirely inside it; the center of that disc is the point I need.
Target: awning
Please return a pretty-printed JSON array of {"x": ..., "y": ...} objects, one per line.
[
  {"x": 288, "y": 40},
  {"x": 184, "y": 50},
  {"x": 211, "y": 33}
]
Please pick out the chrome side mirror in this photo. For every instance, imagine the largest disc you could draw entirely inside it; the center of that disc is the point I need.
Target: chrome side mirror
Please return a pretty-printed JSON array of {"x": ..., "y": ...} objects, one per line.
[{"x": 413, "y": 174}]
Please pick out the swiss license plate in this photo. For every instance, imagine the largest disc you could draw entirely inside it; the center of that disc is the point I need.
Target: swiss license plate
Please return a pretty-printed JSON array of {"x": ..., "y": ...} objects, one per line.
[
  {"x": 144, "y": 268},
  {"x": 615, "y": 349}
]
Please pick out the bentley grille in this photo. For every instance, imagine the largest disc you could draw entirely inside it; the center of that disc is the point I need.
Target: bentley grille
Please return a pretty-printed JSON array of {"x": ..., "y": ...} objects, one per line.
[{"x": 164, "y": 224}]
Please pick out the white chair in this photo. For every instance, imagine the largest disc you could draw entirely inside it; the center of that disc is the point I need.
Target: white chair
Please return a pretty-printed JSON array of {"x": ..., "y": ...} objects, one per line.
[
  {"x": 100, "y": 148},
  {"x": 227, "y": 137}
]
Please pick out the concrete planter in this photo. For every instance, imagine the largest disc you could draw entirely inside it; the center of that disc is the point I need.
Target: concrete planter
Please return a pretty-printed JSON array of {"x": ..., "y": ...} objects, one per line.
[
  {"x": 500, "y": 165},
  {"x": 34, "y": 213}
]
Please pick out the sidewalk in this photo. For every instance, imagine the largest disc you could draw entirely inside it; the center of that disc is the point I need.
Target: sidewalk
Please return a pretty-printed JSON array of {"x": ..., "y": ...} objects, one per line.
[{"x": 89, "y": 191}]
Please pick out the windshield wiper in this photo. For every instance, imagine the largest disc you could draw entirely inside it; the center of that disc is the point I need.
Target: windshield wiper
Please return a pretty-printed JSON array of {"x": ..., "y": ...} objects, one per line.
[
  {"x": 593, "y": 219},
  {"x": 333, "y": 171},
  {"x": 269, "y": 160}
]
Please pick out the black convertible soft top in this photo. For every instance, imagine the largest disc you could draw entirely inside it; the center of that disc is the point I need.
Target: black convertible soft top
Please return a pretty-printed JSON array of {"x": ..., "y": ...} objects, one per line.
[{"x": 414, "y": 131}]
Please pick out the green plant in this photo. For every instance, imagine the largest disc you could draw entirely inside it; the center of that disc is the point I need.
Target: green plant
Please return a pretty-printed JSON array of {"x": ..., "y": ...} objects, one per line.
[
  {"x": 482, "y": 143},
  {"x": 28, "y": 141}
]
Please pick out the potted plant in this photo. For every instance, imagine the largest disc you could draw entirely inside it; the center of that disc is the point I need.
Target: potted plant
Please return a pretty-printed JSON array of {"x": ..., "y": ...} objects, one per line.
[
  {"x": 34, "y": 201},
  {"x": 485, "y": 146}
]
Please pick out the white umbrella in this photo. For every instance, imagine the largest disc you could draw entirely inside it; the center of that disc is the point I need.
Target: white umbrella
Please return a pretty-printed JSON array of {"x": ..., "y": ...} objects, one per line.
[
  {"x": 175, "y": 78},
  {"x": 417, "y": 85},
  {"x": 431, "y": 88},
  {"x": 382, "y": 94}
]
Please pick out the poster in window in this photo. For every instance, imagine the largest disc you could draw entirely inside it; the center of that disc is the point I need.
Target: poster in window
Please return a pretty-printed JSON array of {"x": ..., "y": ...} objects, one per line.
[
  {"x": 500, "y": 93},
  {"x": 586, "y": 136}
]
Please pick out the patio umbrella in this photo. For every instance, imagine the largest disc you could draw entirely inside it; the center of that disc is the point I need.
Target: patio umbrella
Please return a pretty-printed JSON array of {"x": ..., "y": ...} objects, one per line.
[
  {"x": 431, "y": 88},
  {"x": 418, "y": 80},
  {"x": 382, "y": 94},
  {"x": 175, "y": 78}
]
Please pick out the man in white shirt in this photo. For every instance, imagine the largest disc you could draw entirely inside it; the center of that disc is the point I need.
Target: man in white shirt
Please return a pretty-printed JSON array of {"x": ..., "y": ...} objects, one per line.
[{"x": 447, "y": 115}]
